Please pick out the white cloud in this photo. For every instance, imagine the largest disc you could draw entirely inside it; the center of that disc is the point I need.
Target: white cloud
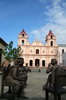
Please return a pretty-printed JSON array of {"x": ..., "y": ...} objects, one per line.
[
  {"x": 57, "y": 30},
  {"x": 56, "y": 22},
  {"x": 56, "y": 13}
]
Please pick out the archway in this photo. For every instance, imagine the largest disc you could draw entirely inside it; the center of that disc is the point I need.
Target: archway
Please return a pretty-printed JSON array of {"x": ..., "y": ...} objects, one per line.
[
  {"x": 31, "y": 62},
  {"x": 51, "y": 43},
  {"x": 37, "y": 62},
  {"x": 22, "y": 42},
  {"x": 43, "y": 62}
]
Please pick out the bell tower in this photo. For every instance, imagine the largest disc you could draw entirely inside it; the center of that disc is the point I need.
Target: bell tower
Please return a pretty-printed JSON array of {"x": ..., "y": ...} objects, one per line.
[
  {"x": 50, "y": 39},
  {"x": 23, "y": 38}
]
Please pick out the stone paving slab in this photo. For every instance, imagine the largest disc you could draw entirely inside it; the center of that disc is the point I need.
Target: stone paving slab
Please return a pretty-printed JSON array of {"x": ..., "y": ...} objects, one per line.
[{"x": 35, "y": 82}]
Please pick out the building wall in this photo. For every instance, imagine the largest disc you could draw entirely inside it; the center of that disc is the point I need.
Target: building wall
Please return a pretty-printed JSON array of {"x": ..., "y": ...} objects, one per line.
[
  {"x": 2, "y": 56},
  {"x": 46, "y": 51},
  {"x": 61, "y": 55},
  {"x": 64, "y": 59}
]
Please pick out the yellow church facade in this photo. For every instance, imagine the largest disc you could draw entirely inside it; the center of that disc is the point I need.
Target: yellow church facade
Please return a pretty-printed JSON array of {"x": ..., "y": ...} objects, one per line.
[{"x": 37, "y": 53}]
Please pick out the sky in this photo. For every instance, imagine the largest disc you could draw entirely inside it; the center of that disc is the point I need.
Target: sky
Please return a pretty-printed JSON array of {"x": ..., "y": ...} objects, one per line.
[{"x": 36, "y": 17}]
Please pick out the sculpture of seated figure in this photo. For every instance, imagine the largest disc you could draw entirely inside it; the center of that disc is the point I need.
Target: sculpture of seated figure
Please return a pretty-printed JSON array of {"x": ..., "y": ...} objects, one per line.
[
  {"x": 51, "y": 68},
  {"x": 13, "y": 77}
]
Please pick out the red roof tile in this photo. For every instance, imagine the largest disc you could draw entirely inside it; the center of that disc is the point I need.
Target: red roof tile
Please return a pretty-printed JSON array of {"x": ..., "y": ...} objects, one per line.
[
  {"x": 23, "y": 32},
  {"x": 49, "y": 34}
]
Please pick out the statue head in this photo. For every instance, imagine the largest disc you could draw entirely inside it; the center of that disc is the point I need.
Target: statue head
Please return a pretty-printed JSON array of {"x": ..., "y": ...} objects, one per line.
[
  {"x": 53, "y": 61},
  {"x": 20, "y": 61}
]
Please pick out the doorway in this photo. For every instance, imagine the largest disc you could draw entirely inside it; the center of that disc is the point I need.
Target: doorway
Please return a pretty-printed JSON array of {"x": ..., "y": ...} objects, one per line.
[
  {"x": 37, "y": 62},
  {"x": 43, "y": 62},
  {"x": 31, "y": 62}
]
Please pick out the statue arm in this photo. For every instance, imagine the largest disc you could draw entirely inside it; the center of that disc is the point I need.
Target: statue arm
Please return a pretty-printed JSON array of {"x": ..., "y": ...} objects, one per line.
[{"x": 49, "y": 69}]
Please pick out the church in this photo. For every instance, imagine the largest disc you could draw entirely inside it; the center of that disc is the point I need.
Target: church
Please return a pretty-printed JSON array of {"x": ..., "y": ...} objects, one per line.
[{"x": 37, "y": 53}]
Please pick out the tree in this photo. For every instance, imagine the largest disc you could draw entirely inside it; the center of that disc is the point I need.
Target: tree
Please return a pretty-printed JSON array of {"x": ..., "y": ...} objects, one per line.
[{"x": 10, "y": 52}]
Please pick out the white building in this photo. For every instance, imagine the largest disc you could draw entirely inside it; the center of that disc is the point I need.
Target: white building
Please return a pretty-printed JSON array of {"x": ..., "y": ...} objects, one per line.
[
  {"x": 37, "y": 53},
  {"x": 62, "y": 53}
]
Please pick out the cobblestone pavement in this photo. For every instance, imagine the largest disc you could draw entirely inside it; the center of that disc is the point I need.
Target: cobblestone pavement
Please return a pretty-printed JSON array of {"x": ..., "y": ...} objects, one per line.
[{"x": 35, "y": 82}]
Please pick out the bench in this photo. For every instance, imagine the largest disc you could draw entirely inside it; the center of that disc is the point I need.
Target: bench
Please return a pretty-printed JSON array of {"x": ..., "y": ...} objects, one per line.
[
  {"x": 59, "y": 85},
  {"x": 3, "y": 84}
]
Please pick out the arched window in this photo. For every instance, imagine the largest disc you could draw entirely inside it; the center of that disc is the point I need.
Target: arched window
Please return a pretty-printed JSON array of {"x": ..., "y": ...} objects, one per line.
[
  {"x": 22, "y": 35},
  {"x": 37, "y": 51},
  {"x": 51, "y": 43},
  {"x": 51, "y": 37},
  {"x": 22, "y": 42},
  {"x": 62, "y": 51}
]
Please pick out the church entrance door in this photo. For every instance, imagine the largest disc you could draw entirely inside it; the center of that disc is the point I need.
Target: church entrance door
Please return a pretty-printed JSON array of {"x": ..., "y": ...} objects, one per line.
[{"x": 37, "y": 62}]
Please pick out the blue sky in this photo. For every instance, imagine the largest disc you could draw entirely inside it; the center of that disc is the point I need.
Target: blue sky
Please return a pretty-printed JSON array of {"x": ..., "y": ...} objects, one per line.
[{"x": 36, "y": 17}]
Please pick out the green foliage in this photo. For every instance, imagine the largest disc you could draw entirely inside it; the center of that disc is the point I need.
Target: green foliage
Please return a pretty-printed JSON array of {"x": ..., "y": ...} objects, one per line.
[{"x": 10, "y": 52}]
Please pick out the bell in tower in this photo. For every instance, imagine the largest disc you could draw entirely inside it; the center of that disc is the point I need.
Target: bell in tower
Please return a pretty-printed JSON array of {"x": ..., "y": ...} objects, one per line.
[
  {"x": 50, "y": 39},
  {"x": 23, "y": 38}
]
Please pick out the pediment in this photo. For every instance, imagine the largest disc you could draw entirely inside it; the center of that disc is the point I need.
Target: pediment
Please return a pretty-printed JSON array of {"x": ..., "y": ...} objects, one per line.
[{"x": 37, "y": 43}]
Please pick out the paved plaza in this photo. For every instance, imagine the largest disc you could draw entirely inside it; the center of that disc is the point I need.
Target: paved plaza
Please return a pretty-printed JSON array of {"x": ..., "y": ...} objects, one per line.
[{"x": 35, "y": 82}]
